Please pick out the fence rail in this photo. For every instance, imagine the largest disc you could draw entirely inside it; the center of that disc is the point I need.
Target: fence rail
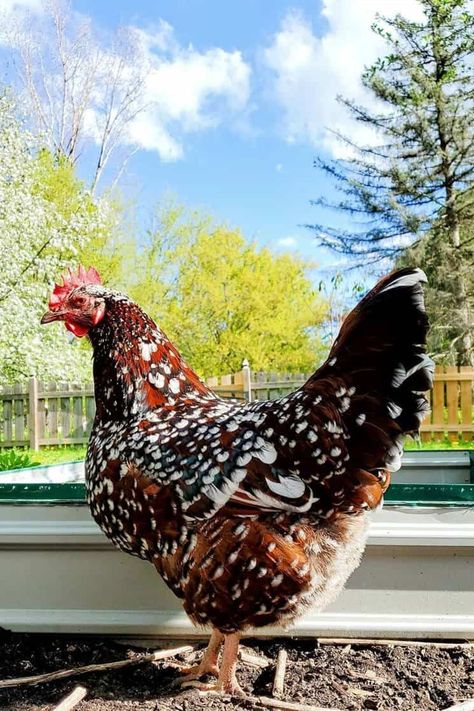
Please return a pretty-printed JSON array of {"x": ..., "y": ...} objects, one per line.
[{"x": 42, "y": 414}]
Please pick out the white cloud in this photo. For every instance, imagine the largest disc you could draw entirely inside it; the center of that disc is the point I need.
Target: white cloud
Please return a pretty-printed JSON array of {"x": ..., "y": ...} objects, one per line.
[
  {"x": 13, "y": 12},
  {"x": 289, "y": 241},
  {"x": 185, "y": 91},
  {"x": 181, "y": 89},
  {"x": 308, "y": 72},
  {"x": 149, "y": 133},
  {"x": 8, "y": 6},
  {"x": 159, "y": 37}
]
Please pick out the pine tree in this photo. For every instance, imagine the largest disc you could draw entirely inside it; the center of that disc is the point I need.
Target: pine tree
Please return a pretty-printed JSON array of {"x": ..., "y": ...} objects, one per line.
[{"x": 414, "y": 182}]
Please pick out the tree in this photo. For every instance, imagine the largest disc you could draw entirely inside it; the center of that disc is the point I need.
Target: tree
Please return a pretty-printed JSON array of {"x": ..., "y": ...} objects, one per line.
[
  {"x": 340, "y": 297},
  {"x": 77, "y": 93},
  {"x": 432, "y": 252},
  {"x": 417, "y": 177},
  {"x": 222, "y": 300},
  {"x": 46, "y": 216},
  {"x": 110, "y": 249}
]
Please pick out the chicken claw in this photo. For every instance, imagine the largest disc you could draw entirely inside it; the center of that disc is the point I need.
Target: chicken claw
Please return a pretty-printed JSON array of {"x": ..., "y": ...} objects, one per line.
[
  {"x": 227, "y": 681},
  {"x": 208, "y": 663},
  {"x": 231, "y": 689}
]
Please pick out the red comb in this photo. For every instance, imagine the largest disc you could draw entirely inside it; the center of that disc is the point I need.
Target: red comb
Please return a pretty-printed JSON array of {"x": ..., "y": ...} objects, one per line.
[{"x": 73, "y": 281}]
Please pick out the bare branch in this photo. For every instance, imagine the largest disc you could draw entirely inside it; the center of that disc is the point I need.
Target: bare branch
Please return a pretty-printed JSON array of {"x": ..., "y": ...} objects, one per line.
[{"x": 80, "y": 94}]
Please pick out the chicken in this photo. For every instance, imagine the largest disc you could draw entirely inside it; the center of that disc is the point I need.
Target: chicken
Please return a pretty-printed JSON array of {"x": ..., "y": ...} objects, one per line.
[{"x": 253, "y": 512}]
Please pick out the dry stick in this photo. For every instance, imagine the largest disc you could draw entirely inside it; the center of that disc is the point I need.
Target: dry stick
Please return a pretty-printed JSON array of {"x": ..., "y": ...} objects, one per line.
[
  {"x": 290, "y": 705},
  {"x": 463, "y": 706},
  {"x": 77, "y": 671},
  {"x": 397, "y": 643},
  {"x": 72, "y": 699},
  {"x": 279, "y": 680},
  {"x": 253, "y": 660}
]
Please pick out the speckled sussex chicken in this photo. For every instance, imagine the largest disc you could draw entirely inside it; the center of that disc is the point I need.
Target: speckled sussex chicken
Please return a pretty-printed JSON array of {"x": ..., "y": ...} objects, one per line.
[{"x": 254, "y": 512}]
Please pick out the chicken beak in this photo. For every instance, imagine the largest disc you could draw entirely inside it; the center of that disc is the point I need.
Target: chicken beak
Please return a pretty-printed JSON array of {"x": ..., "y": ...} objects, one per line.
[{"x": 51, "y": 316}]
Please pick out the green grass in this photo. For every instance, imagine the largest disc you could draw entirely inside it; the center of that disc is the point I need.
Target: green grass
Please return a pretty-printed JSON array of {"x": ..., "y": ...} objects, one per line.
[
  {"x": 438, "y": 444},
  {"x": 14, "y": 459},
  {"x": 55, "y": 455}
]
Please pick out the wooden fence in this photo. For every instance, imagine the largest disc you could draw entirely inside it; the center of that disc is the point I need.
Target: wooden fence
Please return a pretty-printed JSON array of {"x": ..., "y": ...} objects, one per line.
[
  {"x": 42, "y": 414},
  {"x": 451, "y": 400},
  {"x": 45, "y": 414}
]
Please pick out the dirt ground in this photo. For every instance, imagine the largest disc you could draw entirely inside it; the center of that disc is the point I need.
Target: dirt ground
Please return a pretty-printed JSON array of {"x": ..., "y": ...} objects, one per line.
[{"x": 349, "y": 678}]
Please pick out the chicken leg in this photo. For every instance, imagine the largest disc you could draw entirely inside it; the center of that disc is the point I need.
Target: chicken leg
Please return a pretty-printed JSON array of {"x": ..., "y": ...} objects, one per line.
[
  {"x": 208, "y": 663},
  {"x": 227, "y": 681}
]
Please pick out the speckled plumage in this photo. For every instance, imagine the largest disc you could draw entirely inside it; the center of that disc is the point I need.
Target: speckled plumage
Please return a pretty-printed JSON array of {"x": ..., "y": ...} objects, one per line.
[{"x": 251, "y": 512}]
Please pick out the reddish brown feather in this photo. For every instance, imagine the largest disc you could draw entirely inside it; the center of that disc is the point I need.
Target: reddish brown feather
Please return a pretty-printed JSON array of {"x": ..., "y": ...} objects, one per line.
[{"x": 244, "y": 562}]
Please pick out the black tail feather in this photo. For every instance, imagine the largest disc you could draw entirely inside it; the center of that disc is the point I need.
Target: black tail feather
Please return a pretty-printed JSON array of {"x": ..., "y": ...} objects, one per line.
[{"x": 380, "y": 353}]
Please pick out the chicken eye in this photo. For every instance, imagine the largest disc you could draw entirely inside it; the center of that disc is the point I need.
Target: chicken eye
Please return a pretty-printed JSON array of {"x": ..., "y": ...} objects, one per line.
[{"x": 78, "y": 302}]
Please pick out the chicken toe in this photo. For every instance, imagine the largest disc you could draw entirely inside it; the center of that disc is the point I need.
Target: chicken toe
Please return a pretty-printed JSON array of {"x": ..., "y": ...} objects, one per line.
[{"x": 209, "y": 662}]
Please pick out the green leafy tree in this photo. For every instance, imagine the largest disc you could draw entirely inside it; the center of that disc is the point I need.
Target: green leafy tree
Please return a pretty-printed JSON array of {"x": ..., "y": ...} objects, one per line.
[
  {"x": 414, "y": 182},
  {"x": 222, "y": 300},
  {"x": 110, "y": 249},
  {"x": 46, "y": 217}
]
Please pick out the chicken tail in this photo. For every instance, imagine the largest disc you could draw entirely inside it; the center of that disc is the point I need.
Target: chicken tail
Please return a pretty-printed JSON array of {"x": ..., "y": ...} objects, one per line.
[{"x": 380, "y": 370}]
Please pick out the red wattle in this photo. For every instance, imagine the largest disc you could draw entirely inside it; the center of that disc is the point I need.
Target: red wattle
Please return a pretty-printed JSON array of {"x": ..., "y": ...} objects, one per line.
[{"x": 77, "y": 329}]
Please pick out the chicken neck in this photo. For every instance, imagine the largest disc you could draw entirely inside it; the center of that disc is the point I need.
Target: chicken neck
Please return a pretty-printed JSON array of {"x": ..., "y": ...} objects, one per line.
[{"x": 136, "y": 367}]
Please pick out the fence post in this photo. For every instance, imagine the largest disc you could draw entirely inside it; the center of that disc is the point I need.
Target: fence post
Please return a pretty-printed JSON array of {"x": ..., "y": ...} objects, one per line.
[
  {"x": 33, "y": 413},
  {"x": 247, "y": 380}
]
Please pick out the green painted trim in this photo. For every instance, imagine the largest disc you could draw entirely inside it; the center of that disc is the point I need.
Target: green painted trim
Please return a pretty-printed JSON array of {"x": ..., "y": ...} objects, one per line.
[
  {"x": 430, "y": 494},
  {"x": 42, "y": 494},
  {"x": 398, "y": 494}
]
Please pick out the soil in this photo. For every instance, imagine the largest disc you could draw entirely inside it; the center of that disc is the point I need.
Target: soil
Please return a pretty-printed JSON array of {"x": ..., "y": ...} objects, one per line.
[{"x": 349, "y": 678}]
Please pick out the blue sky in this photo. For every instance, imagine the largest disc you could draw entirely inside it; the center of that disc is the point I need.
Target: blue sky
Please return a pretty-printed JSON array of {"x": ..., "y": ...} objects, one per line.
[
  {"x": 252, "y": 177},
  {"x": 242, "y": 95}
]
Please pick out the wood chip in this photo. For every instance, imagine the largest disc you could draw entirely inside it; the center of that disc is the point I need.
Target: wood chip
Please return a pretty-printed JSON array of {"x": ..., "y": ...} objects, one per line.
[
  {"x": 360, "y": 692},
  {"x": 107, "y": 666},
  {"x": 253, "y": 660},
  {"x": 280, "y": 670},
  {"x": 72, "y": 699},
  {"x": 369, "y": 675},
  {"x": 154, "y": 642},
  {"x": 268, "y": 702}
]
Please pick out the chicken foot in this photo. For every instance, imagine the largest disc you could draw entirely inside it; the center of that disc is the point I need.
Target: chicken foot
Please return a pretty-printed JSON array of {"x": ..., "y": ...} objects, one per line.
[
  {"x": 209, "y": 662},
  {"x": 226, "y": 681}
]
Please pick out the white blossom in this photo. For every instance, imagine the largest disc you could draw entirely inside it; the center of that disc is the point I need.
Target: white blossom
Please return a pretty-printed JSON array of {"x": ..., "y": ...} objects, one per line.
[{"x": 37, "y": 243}]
